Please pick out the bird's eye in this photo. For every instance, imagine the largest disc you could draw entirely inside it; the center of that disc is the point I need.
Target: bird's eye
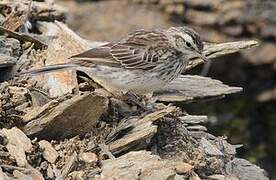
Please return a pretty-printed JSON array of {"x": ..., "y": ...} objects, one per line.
[{"x": 188, "y": 44}]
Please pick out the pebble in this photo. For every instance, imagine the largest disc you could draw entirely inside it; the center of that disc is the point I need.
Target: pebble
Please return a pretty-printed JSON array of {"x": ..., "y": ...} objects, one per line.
[
  {"x": 49, "y": 153},
  {"x": 89, "y": 157},
  {"x": 182, "y": 168},
  {"x": 217, "y": 177},
  {"x": 50, "y": 172}
]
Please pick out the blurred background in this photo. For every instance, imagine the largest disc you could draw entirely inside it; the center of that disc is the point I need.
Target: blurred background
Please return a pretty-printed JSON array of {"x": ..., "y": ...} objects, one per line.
[{"x": 248, "y": 118}]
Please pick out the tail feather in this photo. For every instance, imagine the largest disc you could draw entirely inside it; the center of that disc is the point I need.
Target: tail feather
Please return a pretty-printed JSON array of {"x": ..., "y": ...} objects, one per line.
[{"x": 47, "y": 69}]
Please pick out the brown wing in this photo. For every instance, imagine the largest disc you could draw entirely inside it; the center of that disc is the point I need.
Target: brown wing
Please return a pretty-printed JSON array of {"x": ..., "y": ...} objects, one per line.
[
  {"x": 140, "y": 50},
  {"x": 100, "y": 55}
]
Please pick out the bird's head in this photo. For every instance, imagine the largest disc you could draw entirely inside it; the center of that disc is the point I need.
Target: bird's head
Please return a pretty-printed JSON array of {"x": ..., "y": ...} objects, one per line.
[{"x": 187, "y": 41}]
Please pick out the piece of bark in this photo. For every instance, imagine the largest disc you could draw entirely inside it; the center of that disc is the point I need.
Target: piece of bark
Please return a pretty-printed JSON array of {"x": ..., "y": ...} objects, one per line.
[
  {"x": 138, "y": 165},
  {"x": 225, "y": 147},
  {"x": 36, "y": 10},
  {"x": 191, "y": 119},
  {"x": 209, "y": 148},
  {"x": 212, "y": 50},
  {"x": 23, "y": 37},
  {"x": 197, "y": 128},
  {"x": 243, "y": 169},
  {"x": 187, "y": 88},
  {"x": 137, "y": 132},
  {"x": 13, "y": 22},
  {"x": 72, "y": 117},
  {"x": 37, "y": 112},
  {"x": 65, "y": 44},
  {"x": 69, "y": 165},
  {"x": 18, "y": 144}
]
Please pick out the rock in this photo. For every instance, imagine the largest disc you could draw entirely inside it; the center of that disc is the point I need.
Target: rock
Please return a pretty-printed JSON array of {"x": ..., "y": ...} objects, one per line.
[
  {"x": 3, "y": 176},
  {"x": 31, "y": 173},
  {"x": 35, "y": 174},
  {"x": 9, "y": 46},
  {"x": 6, "y": 61},
  {"x": 74, "y": 116},
  {"x": 88, "y": 157},
  {"x": 18, "y": 144},
  {"x": 20, "y": 176},
  {"x": 76, "y": 175},
  {"x": 50, "y": 172},
  {"x": 182, "y": 168},
  {"x": 243, "y": 169},
  {"x": 194, "y": 176},
  {"x": 49, "y": 153},
  {"x": 18, "y": 94}
]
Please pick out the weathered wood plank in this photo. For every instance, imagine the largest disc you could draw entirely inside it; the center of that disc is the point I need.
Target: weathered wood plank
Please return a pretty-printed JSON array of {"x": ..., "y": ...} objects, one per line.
[
  {"x": 187, "y": 88},
  {"x": 137, "y": 132},
  {"x": 72, "y": 117}
]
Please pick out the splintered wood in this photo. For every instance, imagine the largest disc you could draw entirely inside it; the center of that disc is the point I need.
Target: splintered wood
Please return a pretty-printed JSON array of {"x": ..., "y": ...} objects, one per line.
[
  {"x": 187, "y": 88},
  {"x": 136, "y": 133},
  {"x": 63, "y": 45},
  {"x": 73, "y": 115}
]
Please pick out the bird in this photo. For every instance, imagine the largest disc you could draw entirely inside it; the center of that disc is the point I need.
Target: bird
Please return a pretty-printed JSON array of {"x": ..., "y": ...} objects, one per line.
[{"x": 141, "y": 62}]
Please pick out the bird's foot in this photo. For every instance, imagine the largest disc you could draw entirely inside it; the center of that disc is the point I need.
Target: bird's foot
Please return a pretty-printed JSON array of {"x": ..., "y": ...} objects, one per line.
[{"x": 134, "y": 99}]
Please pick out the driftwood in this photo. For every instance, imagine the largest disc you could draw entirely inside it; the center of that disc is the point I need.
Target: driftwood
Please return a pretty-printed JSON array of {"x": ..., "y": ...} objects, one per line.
[
  {"x": 217, "y": 50},
  {"x": 73, "y": 115},
  {"x": 135, "y": 133},
  {"x": 188, "y": 88},
  {"x": 142, "y": 165},
  {"x": 23, "y": 37}
]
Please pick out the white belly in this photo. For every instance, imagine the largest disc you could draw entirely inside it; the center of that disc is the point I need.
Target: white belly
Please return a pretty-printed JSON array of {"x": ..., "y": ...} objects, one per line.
[{"x": 122, "y": 80}]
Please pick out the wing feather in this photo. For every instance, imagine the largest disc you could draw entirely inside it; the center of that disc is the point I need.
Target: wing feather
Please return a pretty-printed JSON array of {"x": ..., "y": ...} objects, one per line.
[{"x": 137, "y": 51}]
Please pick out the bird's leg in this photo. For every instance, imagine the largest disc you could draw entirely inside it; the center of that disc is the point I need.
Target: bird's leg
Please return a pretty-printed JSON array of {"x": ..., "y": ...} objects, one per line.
[
  {"x": 150, "y": 101},
  {"x": 135, "y": 99}
]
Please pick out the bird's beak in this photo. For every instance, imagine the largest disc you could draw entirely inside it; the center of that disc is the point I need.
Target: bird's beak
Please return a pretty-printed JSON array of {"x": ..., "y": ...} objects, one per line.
[{"x": 202, "y": 56}]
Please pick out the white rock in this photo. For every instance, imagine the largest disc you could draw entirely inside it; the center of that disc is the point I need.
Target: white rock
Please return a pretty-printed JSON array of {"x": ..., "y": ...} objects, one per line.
[
  {"x": 49, "y": 153},
  {"x": 18, "y": 144},
  {"x": 89, "y": 157}
]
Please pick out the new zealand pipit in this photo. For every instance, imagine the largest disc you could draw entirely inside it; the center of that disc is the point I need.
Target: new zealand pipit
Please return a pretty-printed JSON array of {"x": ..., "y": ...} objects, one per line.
[{"x": 142, "y": 62}]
